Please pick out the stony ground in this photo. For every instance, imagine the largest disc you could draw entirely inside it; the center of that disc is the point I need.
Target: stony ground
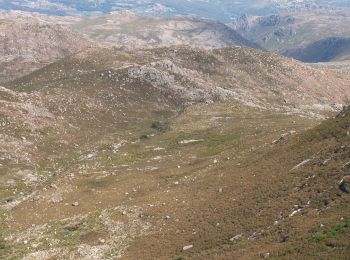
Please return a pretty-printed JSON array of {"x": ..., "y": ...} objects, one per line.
[{"x": 104, "y": 156}]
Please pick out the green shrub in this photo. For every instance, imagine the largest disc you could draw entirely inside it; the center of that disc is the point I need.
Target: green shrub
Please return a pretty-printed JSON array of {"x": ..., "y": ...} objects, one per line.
[{"x": 160, "y": 126}]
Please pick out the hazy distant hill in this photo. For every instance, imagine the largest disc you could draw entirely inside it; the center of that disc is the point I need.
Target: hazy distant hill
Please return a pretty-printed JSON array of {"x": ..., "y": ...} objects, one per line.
[
  {"x": 310, "y": 34},
  {"x": 222, "y": 10},
  {"x": 129, "y": 30},
  {"x": 330, "y": 49},
  {"x": 29, "y": 41}
]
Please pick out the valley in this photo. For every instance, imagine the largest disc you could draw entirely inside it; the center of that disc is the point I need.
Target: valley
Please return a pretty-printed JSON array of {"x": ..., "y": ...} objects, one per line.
[
  {"x": 174, "y": 130},
  {"x": 108, "y": 150}
]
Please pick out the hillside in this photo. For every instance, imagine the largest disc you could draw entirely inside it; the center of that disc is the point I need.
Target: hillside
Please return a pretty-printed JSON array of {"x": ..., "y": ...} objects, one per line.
[
  {"x": 173, "y": 153},
  {"x": 185, "y": 75},
  {"x": 330, "y": 49},
  {"x": 129, "y": 30},
  {"x": 30, "y": 40},
  {"x": 28, "y": 44}
]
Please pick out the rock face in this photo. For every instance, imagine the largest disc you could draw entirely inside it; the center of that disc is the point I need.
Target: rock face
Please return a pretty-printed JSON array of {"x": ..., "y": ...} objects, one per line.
[{"x": 272, "y": 20}]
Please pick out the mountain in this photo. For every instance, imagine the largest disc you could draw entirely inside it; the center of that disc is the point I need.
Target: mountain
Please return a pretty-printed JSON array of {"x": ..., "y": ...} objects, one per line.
[
  {"x": 28, "y": 44},
  {"x": 304, "y": 31},
  {"x": 133, "y": 31},
  {"x": 330, "y": 49},
  {"x": 174, "y": 153},
  {"x": 29, "y": 41},
  {"x": 128, "y": 136},
  {"x": 222, "y": 10}
]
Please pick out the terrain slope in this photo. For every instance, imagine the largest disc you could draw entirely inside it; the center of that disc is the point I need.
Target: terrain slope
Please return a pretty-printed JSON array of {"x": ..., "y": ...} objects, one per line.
[
  {"x": 28, "y": 44},
  {"x": 174, "y": 153}
]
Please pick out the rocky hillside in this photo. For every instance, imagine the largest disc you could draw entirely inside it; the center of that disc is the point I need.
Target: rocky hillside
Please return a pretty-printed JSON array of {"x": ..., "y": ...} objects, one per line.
[
  {"x": 185, "y": 75},
  {"x": 28, "y": 44},
  {"x": 174, "y": 153}
]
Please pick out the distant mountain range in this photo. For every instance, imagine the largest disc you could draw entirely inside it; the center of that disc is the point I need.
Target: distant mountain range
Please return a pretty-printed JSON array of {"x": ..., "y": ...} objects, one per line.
[
  {"x": 30, "y": 41},
  {"x": 223, "y": 10},
  {"x": 330, "y": 49},
  {"x": 310, "y": 35}
]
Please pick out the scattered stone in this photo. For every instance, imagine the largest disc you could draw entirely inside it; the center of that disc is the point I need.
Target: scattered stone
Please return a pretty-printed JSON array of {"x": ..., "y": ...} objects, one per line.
[
  {"x": 220, "y": 190},
  {"x": 237, "y": 237},
  {"x": 301, "y": 164},
  {"x": 283, "y": 137},
  {"x": 187, "y": 247},
  {"x": 75, "y": 204},
  {"x": 324, "y": 163},
  {"x": 54, "y": 186},
  {"x": 344, "y": 184},
  {"x": 280, "y": 140},
  {"x": 346, "y": 164},
  {"x": 294, "y": 212},
  {"x": 158, "y": 149},
  {"x": 167, "y": 217},
  {"x": 9, "y": 199},
  {"x": 190, "y": 141},
  {"x": 57, "y": 198},
  {"x": 265, "y": 255}
]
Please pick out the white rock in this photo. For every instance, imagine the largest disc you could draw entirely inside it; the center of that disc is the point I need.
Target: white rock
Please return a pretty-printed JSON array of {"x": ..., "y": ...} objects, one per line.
[
  {"x": 235, "y": 237},
  {"x": 187, "y": 247}
]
